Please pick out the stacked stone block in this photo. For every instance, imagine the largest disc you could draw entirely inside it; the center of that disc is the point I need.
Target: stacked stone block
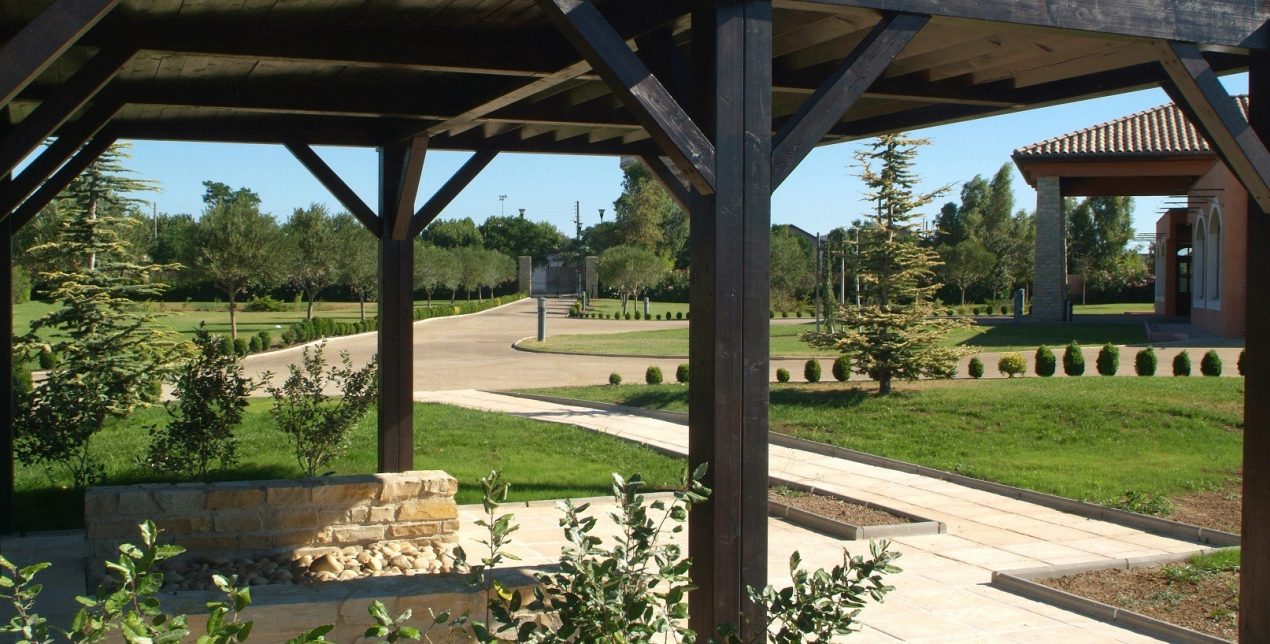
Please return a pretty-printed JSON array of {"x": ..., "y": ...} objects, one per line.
[{"x": 1050, "y": 291}]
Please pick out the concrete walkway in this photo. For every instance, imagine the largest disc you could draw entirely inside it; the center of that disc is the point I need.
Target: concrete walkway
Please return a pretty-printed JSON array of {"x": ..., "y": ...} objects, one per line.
[{"x": 942, "y": 595}]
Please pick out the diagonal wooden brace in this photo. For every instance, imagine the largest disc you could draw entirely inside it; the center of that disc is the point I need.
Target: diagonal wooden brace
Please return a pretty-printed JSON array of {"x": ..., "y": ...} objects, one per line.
[
  {"x": 462, "y": 177},
  {"x": 340, "y": 190},
  {"x": 60, "y": 180},
  {"x": 42, "y": 40},
  {"x": 666, "y": 177}
]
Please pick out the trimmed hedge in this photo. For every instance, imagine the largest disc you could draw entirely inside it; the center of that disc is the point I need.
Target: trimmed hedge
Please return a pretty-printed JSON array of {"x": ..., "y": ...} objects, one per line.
[
  {"x": 681, "y": 373},
  {"x": 615, "y": 378},
  {"x": 811, "y": 370},
  {"x": 1046, "y": 363},
  {"x": 1145, "y": 362},
  {"x": 976, "y": 368},
  {"x": 782, "y": 375},
  {"x": 841, "y": 368},
  {"x": 652, "y": 375},
  {"x": 1012, "y": 364},
  {"x": 1182, "y": 364},
  {"x": 1108, "y": 360},
  {"x": 1239, "y": 363},
  {"x": 1210, "y": 364},
  {"x": 1073, "y": 360}
]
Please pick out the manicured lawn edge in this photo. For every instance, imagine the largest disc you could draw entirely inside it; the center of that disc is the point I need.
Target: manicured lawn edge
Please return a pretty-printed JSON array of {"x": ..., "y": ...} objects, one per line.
[
  {"x": 1020, "y": 583},
  {"x": 1144, "y": 522}
]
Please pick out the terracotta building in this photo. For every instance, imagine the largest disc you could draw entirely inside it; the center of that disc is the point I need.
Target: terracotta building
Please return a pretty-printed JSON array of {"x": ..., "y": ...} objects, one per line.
[{"x": 1200, "y": 259}]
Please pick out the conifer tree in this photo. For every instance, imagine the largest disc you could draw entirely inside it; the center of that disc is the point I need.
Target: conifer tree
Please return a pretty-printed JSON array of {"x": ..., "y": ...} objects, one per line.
[{"x": 894, "y": 333}]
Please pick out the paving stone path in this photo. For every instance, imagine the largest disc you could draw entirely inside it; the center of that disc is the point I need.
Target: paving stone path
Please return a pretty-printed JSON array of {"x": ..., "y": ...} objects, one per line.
[{"x": 943, "y": 594}]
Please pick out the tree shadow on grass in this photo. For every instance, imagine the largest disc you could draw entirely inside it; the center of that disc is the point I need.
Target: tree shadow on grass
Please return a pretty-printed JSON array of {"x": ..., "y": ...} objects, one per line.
[
  {"x": 675, "y": 400},
  {"x": 809, "y": 397}
]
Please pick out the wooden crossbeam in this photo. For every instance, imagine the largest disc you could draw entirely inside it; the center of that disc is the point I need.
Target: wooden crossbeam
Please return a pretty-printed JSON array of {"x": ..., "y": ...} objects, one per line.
[
  {"x": 446, "y": 194},
  {"x": 59, "y": 181},
  {"x": 840, "y": 91},
  {"x": 1197, "y": 92},
  {"x": 408, "y": 188},
  {"x": 68, "y": 141},
  {"x": 666, "y": 177},
  {"x": 68, "y": 99},
  {"x": 651, "y": 104},
  {"x": 337, "y": 187},
  {"x": 43, "y": 39}
]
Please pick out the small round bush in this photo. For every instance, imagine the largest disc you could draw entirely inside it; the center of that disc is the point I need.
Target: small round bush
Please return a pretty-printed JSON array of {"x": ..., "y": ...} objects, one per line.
[
  {"x": 22, "y": 382},
  {"x": 681, "y": 373},
  {"x": 1005, "y": 310},
  {"x": 652, "y": 375},
  {"x": 266, "y": 338},
  {"x": 1012, "y": 364},
  {"x": 1210, "y": 364},
  {"x": 47, "y": 358},
  {"x": 784, "y": 314},
  {"x": 841, "y": 368},
  {"x": 1145, "y": 362},
  {"x": 288, "y": 337},
  {"x": 628, "y": 315},
  {"x": 659, "y": 317},
  {"x": 1046, "y": 363},
  {"x": 782, "y": 375},
  {"x": 679, "y": 315},
  {"x": 615, "y": 378},
  {"x": 254, "y": 344},
  {"x": 811, "y": 370},
  {"x": 638, "y": 315},
  {"x": 798, "y": 313},
  {"x": 976, "y": 368},
  {"x": 241, "y": 346},
  {"x": 771, "y": 314},
  {"x": 976, "y": 310},
  {"x": 227, "y": 345},
  {"x": 1239, "y": 363},
  {"x": 1108, "y": 360},
  {"x": 1073, "y": 360},
  {"x": 1182, "y": 364}
]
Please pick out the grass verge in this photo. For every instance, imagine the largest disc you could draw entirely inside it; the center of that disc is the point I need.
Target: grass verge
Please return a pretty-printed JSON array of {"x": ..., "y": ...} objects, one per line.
[{"x": 542, "y": 460}]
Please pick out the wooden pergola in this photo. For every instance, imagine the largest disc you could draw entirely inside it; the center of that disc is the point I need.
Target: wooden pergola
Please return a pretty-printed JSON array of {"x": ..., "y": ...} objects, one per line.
[{"x": 731, "y": 93}]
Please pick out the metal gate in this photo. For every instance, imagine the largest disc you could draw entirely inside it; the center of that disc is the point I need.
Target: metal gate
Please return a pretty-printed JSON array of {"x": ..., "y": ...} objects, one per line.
[{"x": 556, "y": 280}]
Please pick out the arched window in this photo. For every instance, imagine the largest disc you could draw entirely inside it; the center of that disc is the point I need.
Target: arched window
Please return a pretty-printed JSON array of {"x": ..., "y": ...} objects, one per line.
[
  {"x": 1213, "y": 253},
  {"x": 1198, "y": 256}
]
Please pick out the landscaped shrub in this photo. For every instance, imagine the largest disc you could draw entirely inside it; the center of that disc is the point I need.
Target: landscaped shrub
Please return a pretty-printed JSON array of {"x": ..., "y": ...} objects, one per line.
[
  {"x": 241, "y": 346},
  {"x": 638, "y": 315},
  {"x": 1073, "y": 360},
  {"x": 1145, "y": 362},
  {"x": 841, "y": 368},
  {"x": 679, "y": 315},
  {"x": 288, "y": 337},
  {"x": 652, "y": 375},
  {"x": 227, "y": 344},
  {"x": 1182, "y": 364},
  {"x": 681, "y": 373},
  {"x": 1239, "y": 363},
  {"x": 976, "y": 368},
  {"x": 254, "y": 344},
  {"x": 628, "y": 315},
  {"x": 1210, "y": 364},
  {"x": 266, "y": 304},
  {"x": 798, "y": 313},
  {"x": 1046, "y": 363},
  {"x": 1012, "y": 364},
  {"x": 317, "y": 423},
  {"x": 1108, "y": 360},
  {"x": 811, "y": 370},
  {"x": 47, "y": 358},
  {"x": 22, "y": 382},
  {"x": 615, "y": 378},
  {"x": 266, "y": 340},
  {"x": 1005, "y": 310},
  {"x": 975, "y": 310},
  {"x": 782, "y": 375}
]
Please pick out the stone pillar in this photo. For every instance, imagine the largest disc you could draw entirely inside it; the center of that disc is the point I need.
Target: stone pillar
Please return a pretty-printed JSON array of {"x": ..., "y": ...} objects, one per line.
[
  {"x": 1050, "y": 282},
  {"x": 525, "y": 274},
  {"x": 591, "y": 275}
]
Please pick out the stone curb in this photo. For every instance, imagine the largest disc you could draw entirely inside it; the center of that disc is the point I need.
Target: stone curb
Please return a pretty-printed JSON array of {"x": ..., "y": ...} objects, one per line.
[
  {"x": 1020, "y": 582},
  {"x": 1146, "y": 523},
  {"x": 844, "y": 530}
]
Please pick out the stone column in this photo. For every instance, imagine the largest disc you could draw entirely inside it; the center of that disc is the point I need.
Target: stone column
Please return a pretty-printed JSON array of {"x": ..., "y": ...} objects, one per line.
[
  {"x": 525, "y": 274},
  {"x": 591, "y": 275},
  {"x": 1050, "y": 281}
]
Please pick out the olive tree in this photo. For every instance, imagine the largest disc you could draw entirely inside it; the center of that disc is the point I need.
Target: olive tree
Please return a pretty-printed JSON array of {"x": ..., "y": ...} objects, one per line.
[{"x": 630, "y": 270}]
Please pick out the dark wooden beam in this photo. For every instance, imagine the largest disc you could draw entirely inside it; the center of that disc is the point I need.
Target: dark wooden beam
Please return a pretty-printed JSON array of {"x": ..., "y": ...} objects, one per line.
[
  {"x": 55, "y": 184},
  {"x": 337, "y": 187},
  {"x": 396, "y": 317},
  {"x": 1197, "y": 92},
  {"x": 43, "y": 39},
  {"x": 728, "y": 335},
  {"x": 451, "y": 189},
  {"x": 1230, "y": 23},
  {"x": 661, "y": 54},
  {"x": 69, "y": 139},
  {"x": 8, "y": 461},
  {"x": 408, "y": 188},
  {"x": 60, "y": 106},
  {"x": 1254, "y": 577},
  {"x": 666, "y": 177},
  {"x": 641, "y": 92},
  {"x": 840, "y": 91}
]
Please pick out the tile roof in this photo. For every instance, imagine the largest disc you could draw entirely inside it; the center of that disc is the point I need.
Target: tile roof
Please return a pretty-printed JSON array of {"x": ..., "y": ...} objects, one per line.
[{"x": 1162, "y": 130}]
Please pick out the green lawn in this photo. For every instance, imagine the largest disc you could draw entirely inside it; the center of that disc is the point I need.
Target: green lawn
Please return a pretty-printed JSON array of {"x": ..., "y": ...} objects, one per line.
[
  {"x": 785, "y": 341},
  {"x": 611, "y": 306},
  {"x": 1114, "y": 309},
  {"x": 1083, "y": 438},
  {"x": 541, "y": 460}
]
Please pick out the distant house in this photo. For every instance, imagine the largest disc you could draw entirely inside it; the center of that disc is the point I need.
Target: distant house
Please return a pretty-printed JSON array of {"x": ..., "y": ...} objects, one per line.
[{"x": 1200, "y": 256}]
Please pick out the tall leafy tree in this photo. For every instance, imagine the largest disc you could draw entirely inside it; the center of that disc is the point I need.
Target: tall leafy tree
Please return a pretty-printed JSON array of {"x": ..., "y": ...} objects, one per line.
[
  {"x": 514, "y": 237},
  {"x": 356, "y": 258},
  {"x": 647, "y": 217},
  {"x": 434, "y": 268},
  {"x": 965, "y": 264},
  {"x": 471, "y": 268},
  {"x": 894, "y": 335},
  {"x": 630, "y": 270},
  {"x": 311, "y": 254},
  {"x": 453, "y": 233},
  {"x": 1099, "y": 230},
  {"x": 792, "y": 270},
  {"x": 237, "y": 246}
]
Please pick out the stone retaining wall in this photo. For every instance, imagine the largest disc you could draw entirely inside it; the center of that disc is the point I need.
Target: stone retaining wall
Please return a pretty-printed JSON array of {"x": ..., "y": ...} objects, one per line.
[{"x": 270, "y": 517}]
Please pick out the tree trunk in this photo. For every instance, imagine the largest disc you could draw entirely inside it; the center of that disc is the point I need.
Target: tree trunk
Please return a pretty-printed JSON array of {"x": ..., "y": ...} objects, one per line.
[
  {"x": 963, "y": 296},
  {"x": 884, "y": 385},
  {"x": 233, "y": 316},
  {"x": 308, "y": 314},
  {"x": 361, "y": 305},
  {"x": 92, "y": 216}
]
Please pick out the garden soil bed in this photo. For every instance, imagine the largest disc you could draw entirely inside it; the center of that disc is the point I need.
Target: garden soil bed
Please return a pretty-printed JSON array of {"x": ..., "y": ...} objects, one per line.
[
  {"x": 836, "y": 509},
  {"x": 1220, "y": 510},
  {"x": 1208, "y": 605}
]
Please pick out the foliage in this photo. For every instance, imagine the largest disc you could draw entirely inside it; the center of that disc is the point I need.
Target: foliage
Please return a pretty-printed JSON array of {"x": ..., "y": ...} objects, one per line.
[
  {"x": 615, "y": 378},
  {"x": 356, "y": 258},
  {"x": 1239, "y": 362},
  {"x": 811, "y": 370},
  {"x": 646, "y": 217},
  {"x": 841, "y": 368},
  {"x": 1144, "y": 363},
  {"x": 236, "y": 245},
  {"x": 209, "y": 396},
  {"x": 681, "y": 373},
  {"x": 975, "y": 368},
  {"x": 517, "y": 236},
  {"x": 630, "y": 270},
  {"x": 1045, "y": 362},
  {"x": 435, "y": 268},
  {"x": 1182, "y": 364},
  {"x": 1143, "y": 503},
  {"x": 894, "y": 334},
  {"x": 1073, "y": 360},
  {"x": 792, "y": 269},
  {"x": 1099, "y": 230},
  {"x": 108, "y": 349},
  {"x": 782, "y": 375},
  {"x": 317, "y": 423},
  {"x": 652, "y": 375},
  {"x": 1210, "y": 364},
  {"x": 1012, "y": 364},
  {"x": 1108, "y": 360},
  {"x": 966, "y": 264},
  {"x": 311, "y": 256},
  {"x": 266, "y": 304},
  {"x": 453, "y": 233}
]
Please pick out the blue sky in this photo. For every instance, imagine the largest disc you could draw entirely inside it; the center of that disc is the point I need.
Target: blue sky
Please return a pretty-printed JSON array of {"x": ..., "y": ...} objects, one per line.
[{"x": 821, "y": 194}]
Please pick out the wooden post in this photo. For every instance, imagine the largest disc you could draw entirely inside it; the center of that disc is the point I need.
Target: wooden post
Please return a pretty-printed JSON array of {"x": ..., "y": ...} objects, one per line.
[
  {"x": 1254, "y": 586},
  {"x": 396, "y": 304},
  {"x": 8, "y": 520},
  {"x": 730, "y": 247}
]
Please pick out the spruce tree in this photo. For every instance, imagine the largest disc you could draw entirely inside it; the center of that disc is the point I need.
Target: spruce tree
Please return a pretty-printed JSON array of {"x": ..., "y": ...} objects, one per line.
[
  {"x": 110, "y": 353},
  {"x": 894, "y": 334}
]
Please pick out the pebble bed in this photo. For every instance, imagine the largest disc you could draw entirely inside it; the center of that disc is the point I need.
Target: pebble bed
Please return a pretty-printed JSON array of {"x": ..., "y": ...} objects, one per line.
[{"x": 350, "y": 562}]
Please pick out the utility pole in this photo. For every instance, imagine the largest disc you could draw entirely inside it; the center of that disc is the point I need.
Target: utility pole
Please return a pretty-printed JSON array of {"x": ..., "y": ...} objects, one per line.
[
  {"x": 577, "y": 219},
  {"x": 502, "y": 200},
  {"x": 819, "y": 265}
]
